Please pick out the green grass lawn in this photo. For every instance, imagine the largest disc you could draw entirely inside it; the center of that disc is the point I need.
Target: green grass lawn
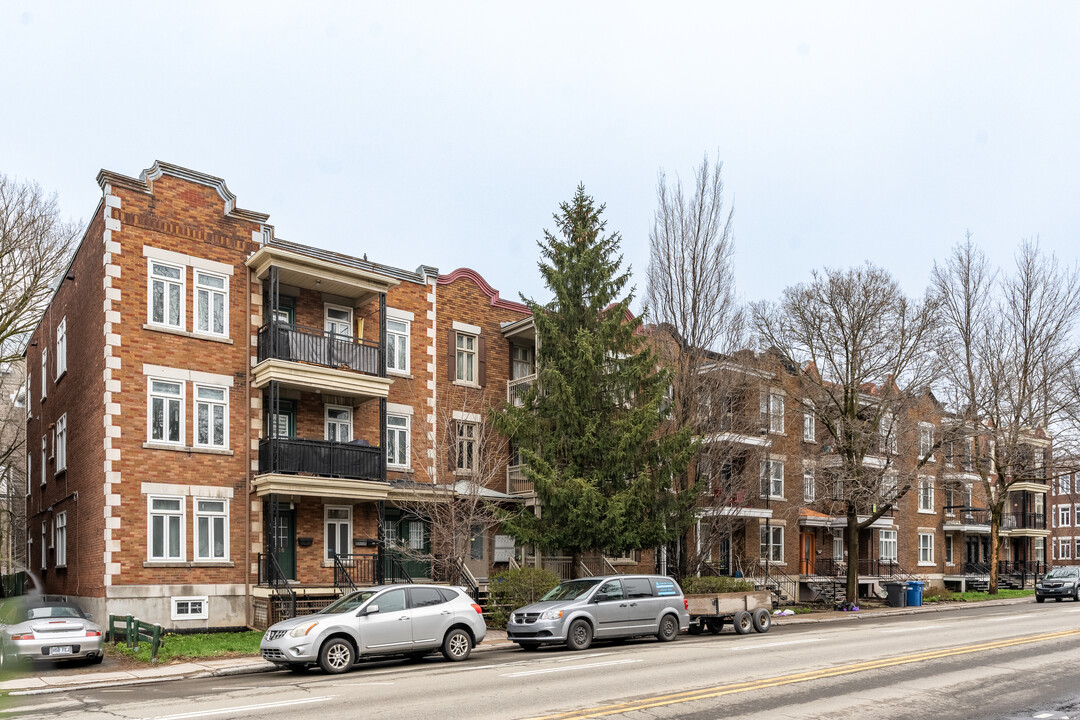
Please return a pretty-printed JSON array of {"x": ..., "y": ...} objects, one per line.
[
  {"x": 949, "y": 596},
  {"x": 204, "y": 646}
]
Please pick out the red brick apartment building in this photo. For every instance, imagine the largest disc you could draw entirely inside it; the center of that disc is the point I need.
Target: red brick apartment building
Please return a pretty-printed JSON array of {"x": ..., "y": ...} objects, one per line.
[
  {"x": 1064, "y": 504},
  {"x": 224, "y": 426}
]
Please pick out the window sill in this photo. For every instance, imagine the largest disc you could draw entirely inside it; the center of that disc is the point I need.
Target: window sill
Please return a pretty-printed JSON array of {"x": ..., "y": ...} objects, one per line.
[
  {"x": 772, "y": 562},
  {"x": 399, "y": 373},
  {"x": 927, "y": 512},
  {"x": 61, "y": 472},
  {"x": 186, "y": 448},
  {"x": 927, "y": 564},
  {"x": 809, "y": 442},
  {"x": 185, "y": 564},
  {"x": 400, "y": 469},
  {"x": 462, "y": 383},
  {"x": 61, "y": 375},
  {"x": 773, "y": 497},
  {"x": 185, "y": 333}
]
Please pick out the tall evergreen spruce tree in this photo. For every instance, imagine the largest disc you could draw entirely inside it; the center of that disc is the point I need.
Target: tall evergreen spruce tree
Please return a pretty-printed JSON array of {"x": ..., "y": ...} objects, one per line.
[{"x": 591, "y": 430}]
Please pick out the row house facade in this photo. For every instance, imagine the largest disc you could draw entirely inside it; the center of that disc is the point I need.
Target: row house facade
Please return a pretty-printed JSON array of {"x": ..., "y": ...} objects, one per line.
[
  {"x": 1063, "y": 506},
  {"x": 774, "y": 506},
  {"x": 222, "y": 420}
]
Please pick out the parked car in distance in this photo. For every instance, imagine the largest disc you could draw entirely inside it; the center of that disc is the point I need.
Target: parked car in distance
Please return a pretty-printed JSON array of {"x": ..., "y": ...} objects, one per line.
[
  {"x": 43, "y": 628},
  {"x": 611, "y": 607},
  {"x": 411, "y": 620},
  {"x": 1059, "y": 583}
]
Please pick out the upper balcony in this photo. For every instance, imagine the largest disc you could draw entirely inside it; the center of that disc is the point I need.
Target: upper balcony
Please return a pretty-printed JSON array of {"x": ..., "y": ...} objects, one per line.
[
  {"x": 517, "y": 389},
  {"x": 320, "y": 468}
]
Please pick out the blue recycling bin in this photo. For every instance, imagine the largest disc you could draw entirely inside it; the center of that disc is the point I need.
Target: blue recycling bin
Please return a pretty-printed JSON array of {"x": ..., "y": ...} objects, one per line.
[{"x": 914, "y": 593}]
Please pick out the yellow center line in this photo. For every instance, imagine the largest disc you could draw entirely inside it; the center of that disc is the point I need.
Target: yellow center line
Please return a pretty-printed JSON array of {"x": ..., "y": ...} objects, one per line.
[{"x": 734, "y": 688}]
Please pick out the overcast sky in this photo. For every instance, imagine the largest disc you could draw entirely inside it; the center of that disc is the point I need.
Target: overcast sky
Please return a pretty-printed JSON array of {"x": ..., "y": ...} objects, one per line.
[{"x": 448, "y": 133}]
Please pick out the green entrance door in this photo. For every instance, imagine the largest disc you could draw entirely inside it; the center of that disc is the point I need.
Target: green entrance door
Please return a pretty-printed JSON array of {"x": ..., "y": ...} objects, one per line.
[
  {"x": 409, "y": 542},
  {"x": 285, "y": 535}
]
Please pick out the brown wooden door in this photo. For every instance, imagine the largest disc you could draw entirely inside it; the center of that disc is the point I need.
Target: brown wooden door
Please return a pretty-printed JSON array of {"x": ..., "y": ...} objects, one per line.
[{"x": 807, "y": 550}]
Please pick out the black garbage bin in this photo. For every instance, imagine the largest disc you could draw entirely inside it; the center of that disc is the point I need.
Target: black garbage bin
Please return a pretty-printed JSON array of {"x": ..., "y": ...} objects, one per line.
[{"x": 896, "y": 593}]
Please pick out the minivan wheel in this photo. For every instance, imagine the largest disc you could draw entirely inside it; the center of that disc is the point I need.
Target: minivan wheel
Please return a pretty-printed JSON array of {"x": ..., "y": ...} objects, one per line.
[
  {"x": 743, "y": 622},
  {"x": 669, "y": 629},
  {"x": 456, "y": 645},
  {"x": 580, "y": 635},
  {"x": 715, "y": 625},
  {"x": 762, "y": 620},
  {"x": 336, "y": 656},
  {"x": 529, "y": 646}
]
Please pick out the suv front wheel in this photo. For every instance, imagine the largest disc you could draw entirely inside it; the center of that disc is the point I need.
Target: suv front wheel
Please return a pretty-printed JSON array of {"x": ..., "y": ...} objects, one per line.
[{"x": 336, "y": 656}]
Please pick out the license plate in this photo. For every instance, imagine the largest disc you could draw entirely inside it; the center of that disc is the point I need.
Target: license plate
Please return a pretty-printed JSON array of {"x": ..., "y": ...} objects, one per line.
[{"x": 60, "y": 650}]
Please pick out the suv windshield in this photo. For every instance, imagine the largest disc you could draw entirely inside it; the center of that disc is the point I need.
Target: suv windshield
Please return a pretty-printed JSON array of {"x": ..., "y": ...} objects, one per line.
[
  {"x": 570, "y": 590},
  {"x": 1063, "y": 572},
  {"x": 349, "y": 602}
]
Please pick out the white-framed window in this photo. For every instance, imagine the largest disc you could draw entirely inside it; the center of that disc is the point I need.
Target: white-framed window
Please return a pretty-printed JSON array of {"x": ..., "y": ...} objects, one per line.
[
  {"x": 397, "y": 440},
  {"x": 44, "y": 546},
  {"x": 61, "y": 348},
  {"x": 44, "y": 457},
  {"x": 465, "y": 360},
  {"x": 337, "y": 320},
  {"x": 926, "y": 440},
  {"x": 809, "y": 427},
  {"x": 808, "y": 488},
  {"x": 1076, "y": 554},
  {"x": 338, "y": 530},
  {"x": 211, "y": 529},
  {"x": 397, "y": 345},
  {"x": 211, "y": 416},
  {"x": 44, "y": 372},
  {"x": 1064, "y": 515},
  {"x": 772, "y": 478},
  {"x": 1065, "y": 485},
  {"x": 1040, "y": 549},
  {"x": 211, "y": 303},
  {"x": 61, "y": 443},
  {"x": 838, "y": 487},
  {"x": 926, "y": 548},
  {"x": 466, "y": 447},
  {"x": 772, "y": 411},
  {"x": 165, "y": 412},
  {"x": 948, "y": 549},
  {"x": 926, "y": 495},
  {"x": 166, "y": 527},
  {"x": 1066, "y": 549},
  {"x": 190, "y": 608},
  {"x": 887, "y": 545},
  {"x": 888, "y": 486},
  {"x": 166, "y": 295},
  {"x": 838, "y": 548},
  {"x": 338, "y": 423},
  {"x": 60, "y": 531},
  {"x": 772, "y": 543}
]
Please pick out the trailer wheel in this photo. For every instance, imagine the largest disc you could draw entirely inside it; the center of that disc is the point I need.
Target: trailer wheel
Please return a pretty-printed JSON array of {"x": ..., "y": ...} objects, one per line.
[
  {"x": 762, "y": 620},
  {"x": 715, "y": 625},
  {"x": 743, "y": 622},
  {"x": 696, "y": 627}
]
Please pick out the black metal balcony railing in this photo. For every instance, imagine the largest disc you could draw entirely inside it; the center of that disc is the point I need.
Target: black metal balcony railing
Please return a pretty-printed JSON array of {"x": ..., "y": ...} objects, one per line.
[
  {"x": 320, "y": 457},
  {"x": 874, "y": 567},
  {"x": 1023, "y": 521},
  {"x": 968, "y": 517},
  {"x": 281, "y": 341}
]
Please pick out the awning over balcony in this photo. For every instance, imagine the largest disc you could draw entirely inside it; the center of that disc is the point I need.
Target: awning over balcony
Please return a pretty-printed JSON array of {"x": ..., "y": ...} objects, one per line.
[
  {"x": 320, "y": 487},
  {"x": 318, "y": 274},
  {"x": 812, "y": 518},
  {"x": 304, "y": 376}
]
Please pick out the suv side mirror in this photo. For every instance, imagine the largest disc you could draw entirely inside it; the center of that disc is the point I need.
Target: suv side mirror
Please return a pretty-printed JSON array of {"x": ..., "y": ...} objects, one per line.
[{"x": 369, "y": 610}]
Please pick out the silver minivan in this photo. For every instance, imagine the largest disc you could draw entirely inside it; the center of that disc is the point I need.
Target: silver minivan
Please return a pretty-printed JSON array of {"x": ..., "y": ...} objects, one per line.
[{"x": 616, "y": 606}]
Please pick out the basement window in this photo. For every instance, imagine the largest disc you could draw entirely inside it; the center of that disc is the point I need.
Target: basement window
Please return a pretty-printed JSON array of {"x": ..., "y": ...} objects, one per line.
[{"x": 189, "y": 608}]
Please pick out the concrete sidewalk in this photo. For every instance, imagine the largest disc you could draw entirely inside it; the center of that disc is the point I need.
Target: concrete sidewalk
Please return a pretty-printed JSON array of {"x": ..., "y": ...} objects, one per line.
[{"x": 496, "y": 639}]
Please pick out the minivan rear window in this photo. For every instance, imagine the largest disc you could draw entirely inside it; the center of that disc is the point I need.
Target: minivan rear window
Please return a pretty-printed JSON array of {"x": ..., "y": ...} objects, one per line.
[{"x": 666, "y": 587}]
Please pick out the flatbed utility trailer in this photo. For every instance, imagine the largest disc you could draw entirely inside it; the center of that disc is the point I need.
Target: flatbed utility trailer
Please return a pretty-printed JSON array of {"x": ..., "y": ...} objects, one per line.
[{"x": 745, "y": 611}]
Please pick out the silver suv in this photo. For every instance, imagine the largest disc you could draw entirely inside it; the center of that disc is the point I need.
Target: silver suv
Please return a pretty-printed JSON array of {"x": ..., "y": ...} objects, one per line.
[
  {"x": 412, "y": 620},
  {"x": 618, "y": 606}
]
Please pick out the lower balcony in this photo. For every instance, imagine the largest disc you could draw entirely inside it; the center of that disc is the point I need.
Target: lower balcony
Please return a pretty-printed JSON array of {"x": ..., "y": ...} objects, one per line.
[
  {"x": 320, "y": 468},
  {"x": 516, "y": 482}
]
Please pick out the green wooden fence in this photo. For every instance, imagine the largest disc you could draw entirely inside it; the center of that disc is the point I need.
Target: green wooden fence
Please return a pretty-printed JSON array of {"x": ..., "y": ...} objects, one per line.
[{"x": 135, "y": 630}]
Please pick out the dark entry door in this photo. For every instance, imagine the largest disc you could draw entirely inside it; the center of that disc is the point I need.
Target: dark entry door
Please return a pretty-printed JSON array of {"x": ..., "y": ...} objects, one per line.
[{"x": 285, "y": 535}]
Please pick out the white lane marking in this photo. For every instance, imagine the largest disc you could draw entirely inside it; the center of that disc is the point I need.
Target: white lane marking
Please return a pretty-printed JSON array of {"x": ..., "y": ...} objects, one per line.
[
  {"x": 118, "y": 691},
  {"x": 566, "y": 668},
  {"x": 1073, "y": 610},
  {"x": 360, "y": 684},
  {"x": 534, "y": 661},
  {"x": 1044, "y": 715},
  {"x": 915, "y": 628},
  {"x": 243, "y": 708},
  {"x": 755, "y": 646},
  {"x": 1009, "y": 617}
]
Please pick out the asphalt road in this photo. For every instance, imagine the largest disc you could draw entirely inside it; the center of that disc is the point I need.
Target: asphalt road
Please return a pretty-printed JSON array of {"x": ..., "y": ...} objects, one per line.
[{"x": 1015, "y": 661}]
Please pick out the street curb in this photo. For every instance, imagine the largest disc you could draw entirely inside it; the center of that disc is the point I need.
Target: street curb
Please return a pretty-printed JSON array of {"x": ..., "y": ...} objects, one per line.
[{"x": 270, "y": 667}]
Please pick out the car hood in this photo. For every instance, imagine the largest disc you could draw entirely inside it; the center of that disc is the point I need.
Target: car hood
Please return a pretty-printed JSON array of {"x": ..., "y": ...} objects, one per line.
[
  {"x": 303, "y": 620},
  {"x": 550, "y": 605}
]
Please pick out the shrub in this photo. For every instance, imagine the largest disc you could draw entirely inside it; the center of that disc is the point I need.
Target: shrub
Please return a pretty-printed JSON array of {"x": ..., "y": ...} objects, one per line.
[
  {"x": 515, "y": 588},
  {"x": 937, "y": 594},
  {"x": 710, "y": 584}
]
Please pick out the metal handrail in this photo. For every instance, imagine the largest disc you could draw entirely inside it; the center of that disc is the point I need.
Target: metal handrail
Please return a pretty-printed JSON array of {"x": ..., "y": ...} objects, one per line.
[
  {"x": 324, "y": 458},
  {"x": 295, "y": 343}
]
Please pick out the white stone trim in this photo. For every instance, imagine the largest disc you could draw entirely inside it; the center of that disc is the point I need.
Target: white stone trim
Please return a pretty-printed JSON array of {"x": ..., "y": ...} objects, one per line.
[
  {"x": 176, "y": 258},
  {"x": 202, "y": 491},
  {"x": 112, "y": 438},
  {"x": 396, "y": 314},
  {"x": 433, "y": 375},
  {"x": 398, "y": 409},
  {"x": 467, "y": 417},
  {"x": 197, "y": 376},
  {"x": 466, "y": 328}
]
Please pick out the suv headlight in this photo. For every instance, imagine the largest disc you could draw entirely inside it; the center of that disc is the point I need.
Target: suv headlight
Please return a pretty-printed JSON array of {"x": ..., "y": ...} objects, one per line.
[
  {"x": 551, "y": 615},
  {"x": 302, "y": 630}
]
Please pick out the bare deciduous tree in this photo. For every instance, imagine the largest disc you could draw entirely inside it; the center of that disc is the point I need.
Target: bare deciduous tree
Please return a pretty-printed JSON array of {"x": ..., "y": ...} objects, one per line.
[
  {"x": 867, "y": 359},
  {"x": 691, "y": 302},
  {"x": 1011, "y": 355},
  {"x": 460, "y": 488}
]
